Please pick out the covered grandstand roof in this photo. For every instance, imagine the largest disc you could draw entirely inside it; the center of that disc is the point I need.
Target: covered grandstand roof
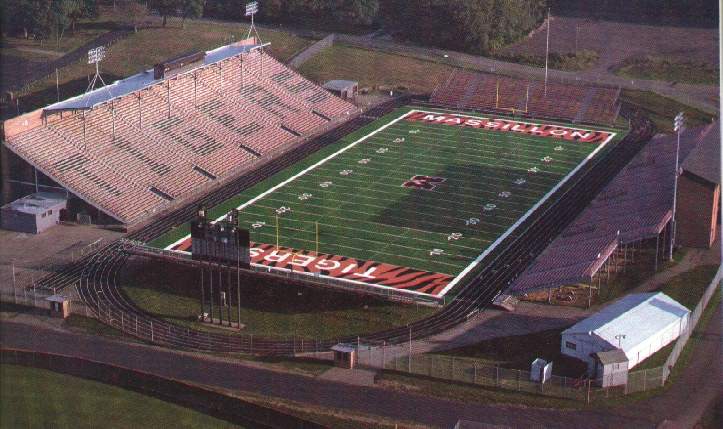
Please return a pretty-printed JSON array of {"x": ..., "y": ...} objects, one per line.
[
  {"x": 139, "y": 81},
  {"x": 635, "y": 205}
]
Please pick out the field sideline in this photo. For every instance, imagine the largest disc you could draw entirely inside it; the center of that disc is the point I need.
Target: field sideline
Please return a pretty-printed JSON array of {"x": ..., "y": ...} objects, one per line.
[{"x": 414, "y": 203}]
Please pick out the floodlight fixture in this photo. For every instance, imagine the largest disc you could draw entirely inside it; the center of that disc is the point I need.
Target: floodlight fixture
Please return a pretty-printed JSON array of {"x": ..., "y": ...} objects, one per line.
[
  {"x": 678, "y": 122},
  {"x": 252, "y": 8},
  {"x": 96, "y": 55}
]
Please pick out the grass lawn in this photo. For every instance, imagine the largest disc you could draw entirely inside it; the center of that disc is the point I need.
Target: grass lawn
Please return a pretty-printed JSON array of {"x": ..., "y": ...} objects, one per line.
[
  {"x": 688, "y": 287},
  {"x": 661, "y": 110},
  {"x": 140, "y": 51},
  {"x": 469, "y": 393},
  {"x": 662, "y": 68},
  {"x": 40, "y": 398},
  {"x": 373, "y": 69},
  {"x": 518, "y": 352},
  {"x": 267, "y": 309}
]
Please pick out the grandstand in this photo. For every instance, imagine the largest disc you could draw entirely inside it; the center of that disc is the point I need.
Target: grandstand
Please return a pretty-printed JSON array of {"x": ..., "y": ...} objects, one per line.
[
  {"x": 480, "y": 91},
  {"x": 635, "y": 206},
  {"x": 142, "y": 144}
]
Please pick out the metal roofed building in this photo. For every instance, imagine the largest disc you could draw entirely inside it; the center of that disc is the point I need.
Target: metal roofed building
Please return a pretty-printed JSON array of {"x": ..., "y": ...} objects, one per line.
[
  {"x": 33, "y": 213},
  {"x": 638, "y": 324}
]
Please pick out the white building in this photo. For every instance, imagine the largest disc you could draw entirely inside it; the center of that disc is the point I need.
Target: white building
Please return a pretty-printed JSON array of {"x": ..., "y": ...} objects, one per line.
[{"x": 638, "y": 324}]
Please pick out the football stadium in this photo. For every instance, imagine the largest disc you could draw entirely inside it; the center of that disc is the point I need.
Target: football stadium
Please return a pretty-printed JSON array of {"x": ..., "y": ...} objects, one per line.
[{"x": 262, "y": 184}]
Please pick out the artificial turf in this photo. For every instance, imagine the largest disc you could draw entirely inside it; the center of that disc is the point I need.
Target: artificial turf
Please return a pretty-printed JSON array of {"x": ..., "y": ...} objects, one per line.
[{"x": 356, "y": 195}]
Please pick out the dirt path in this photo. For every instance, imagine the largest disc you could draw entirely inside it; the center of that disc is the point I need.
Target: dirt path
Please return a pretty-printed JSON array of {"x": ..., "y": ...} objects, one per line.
[{"x": 40, "y": 51}]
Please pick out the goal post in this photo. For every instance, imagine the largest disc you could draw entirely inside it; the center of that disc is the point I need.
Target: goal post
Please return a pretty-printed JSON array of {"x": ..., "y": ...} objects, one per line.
[{"x": 501, "y": 105}]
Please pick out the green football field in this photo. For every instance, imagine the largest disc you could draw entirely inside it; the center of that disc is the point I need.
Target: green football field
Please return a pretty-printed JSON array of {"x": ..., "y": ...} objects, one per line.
[{"x": 473, "y": 186}]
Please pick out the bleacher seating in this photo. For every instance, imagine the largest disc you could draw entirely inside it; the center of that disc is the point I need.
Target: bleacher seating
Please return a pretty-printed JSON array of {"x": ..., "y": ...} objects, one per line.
[
  {"x": 132, "y": 155},
  {"x": 480, "y": 91}
]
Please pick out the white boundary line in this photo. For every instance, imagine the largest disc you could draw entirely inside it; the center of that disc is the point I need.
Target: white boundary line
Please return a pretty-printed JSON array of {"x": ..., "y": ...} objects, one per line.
[
  {"x": 479, "y": 258},
  {"x": 509, "y": 231},
  {"x": 301, "y": 173}
]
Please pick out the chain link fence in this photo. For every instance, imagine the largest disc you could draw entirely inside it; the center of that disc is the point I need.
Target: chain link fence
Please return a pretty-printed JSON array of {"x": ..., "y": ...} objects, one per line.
[{"x": 411, "y": 359}]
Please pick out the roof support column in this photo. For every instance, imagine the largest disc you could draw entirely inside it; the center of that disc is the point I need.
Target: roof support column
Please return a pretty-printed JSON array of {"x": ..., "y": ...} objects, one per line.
[
  {"x": 112, "y": 120},
  {"x": 84, "y": 142}
]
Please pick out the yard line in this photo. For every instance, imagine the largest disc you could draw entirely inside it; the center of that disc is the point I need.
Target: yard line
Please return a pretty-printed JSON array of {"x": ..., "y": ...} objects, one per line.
[{"x": 443, "y": 234}]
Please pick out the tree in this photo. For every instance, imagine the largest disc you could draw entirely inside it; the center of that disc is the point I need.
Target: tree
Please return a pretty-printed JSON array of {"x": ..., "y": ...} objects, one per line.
[
  {"x": 28, "y": 16},
  {"x": 165, "y": 8},
  {"x": 356, "y": 12},
  {"x": 191, "y": 9},
  {"x": 132, "y": 12}
]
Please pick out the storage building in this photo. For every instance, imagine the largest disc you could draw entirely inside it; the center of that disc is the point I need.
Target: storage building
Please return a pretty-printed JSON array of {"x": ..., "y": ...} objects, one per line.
[{"x": 638, "y": 324}]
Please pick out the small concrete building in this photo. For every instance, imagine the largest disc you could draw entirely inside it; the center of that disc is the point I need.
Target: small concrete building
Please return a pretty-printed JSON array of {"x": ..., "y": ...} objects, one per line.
[
  {"x": 611, "y": 368},
  {"x": 344, "y": 89},
  {"x": 698, "y": 208},
  {"x": 33, "y": 213},
  {"x": 59, "y": 306},
  {"x": 638, "y": 325},
  {"x": 344, "y": 356}
]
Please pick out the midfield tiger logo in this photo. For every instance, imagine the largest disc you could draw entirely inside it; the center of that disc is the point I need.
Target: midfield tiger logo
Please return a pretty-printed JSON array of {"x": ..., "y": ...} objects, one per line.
[{"x": 427, "y": 183}]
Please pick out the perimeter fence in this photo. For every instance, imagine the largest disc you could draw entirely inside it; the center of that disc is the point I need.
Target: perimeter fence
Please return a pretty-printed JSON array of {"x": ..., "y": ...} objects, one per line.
[{"x": 414, "y": 359}]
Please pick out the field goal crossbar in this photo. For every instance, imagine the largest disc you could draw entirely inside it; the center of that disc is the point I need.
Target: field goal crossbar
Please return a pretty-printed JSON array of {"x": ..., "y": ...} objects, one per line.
[{"x": 512, "y": 109}]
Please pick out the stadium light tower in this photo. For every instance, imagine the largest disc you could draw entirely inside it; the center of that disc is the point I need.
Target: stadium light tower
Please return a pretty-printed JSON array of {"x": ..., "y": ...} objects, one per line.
[
  {"x": 95, "y": 56},
  {"x": 251, "y": 10},
  {"x": 678, "y": 123}
]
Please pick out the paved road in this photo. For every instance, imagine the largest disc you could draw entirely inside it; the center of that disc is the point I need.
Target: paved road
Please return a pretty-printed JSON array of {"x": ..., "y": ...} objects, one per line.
[{"x": 371, "y": 400}]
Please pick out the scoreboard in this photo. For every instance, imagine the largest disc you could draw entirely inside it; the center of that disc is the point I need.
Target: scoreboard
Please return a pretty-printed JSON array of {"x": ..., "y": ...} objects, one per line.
[{"x": 221, "y": 242}]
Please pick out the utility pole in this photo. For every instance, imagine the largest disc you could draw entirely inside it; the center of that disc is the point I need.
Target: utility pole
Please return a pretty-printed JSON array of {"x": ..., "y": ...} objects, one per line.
[
  {"x": 677, "y": 126},
  {"x": 547, "y": 48}
]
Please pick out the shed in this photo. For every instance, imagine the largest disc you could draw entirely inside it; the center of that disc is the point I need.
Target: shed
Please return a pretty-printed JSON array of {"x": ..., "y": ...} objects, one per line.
[
  {"x": 344, "y": 356},
  {"x": 638, "y": 324},
  {"x": 345, "y": 89},
  {"x": 611, "y": 368},
  {"x": 59, "y": 306},
  {"x": 33, "y": 213}
]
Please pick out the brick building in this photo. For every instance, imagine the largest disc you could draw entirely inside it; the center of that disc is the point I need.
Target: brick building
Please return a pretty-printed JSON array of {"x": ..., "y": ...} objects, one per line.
[{"x": 698, "y": 208}]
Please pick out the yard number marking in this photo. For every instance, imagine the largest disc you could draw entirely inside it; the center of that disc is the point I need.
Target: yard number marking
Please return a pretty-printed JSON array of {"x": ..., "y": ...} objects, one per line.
[
  {"x": 325, "y": 184},
  {"x": 283, "y": 209},
  {"x": 305, "y": 196}
]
